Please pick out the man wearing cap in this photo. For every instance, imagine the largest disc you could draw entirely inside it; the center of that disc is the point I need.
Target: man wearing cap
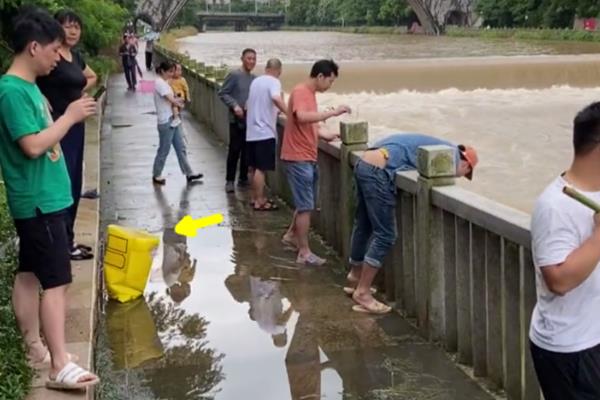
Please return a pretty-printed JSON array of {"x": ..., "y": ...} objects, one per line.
[{"x": 374, "y": 230}]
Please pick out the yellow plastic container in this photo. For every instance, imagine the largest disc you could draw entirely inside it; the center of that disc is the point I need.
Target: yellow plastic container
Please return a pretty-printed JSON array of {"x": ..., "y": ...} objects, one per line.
[{"x": 127, "y": 262}]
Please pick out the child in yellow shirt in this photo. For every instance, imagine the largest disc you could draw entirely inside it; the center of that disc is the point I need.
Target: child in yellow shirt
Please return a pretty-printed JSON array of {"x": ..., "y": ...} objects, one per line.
[{"x": 181, "y": 91}]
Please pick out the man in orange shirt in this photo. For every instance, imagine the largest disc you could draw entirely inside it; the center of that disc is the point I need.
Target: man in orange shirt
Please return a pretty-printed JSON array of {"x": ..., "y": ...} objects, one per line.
[{"x": 299, "y": 152}]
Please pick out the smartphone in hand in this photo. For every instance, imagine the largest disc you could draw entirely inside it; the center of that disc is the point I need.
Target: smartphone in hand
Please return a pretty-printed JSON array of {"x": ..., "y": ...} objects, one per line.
[{"x": 99, "y": 92}]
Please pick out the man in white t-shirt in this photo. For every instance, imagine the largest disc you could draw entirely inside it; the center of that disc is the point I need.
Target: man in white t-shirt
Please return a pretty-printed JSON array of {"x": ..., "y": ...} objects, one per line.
[
  {"x": 565, "y": 325},
  {"x": 264, "y": 100}
]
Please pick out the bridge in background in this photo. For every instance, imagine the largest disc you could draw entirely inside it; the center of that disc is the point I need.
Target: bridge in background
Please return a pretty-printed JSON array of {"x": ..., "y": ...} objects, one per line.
[
  {"x": 241, "y": 21},
  {"x": 433, "y": 15}
]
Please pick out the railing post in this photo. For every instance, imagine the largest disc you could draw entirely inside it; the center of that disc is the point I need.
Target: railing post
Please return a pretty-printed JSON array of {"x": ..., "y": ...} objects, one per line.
[
  {"x": 209, "y": 72},
  {"x": 436, "y": 167},
  {"x": 355, "y": 136},
  {"x": 221, "y": 74}
]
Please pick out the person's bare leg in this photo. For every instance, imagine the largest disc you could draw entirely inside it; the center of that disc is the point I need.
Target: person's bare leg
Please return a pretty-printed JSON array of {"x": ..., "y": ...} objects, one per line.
[
  {"x": 53, "y": 315},
  {"x": 290, "y": 236},
  {"x": 251, "y": 179},
  {"x": 302, "y": 229},
  {"x": 362, "y": 295},
  {"x": 26, "y": 305},
  {"x": 353, "y": 276},
  {"x": 258, "y": 184}
]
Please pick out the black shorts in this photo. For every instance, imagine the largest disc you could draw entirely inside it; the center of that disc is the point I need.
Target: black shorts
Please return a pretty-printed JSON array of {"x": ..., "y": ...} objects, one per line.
[
  {"x": 568, "y": 376},
  {"x": 261, "y": 154},
  {"x": 44, "y": 248}
]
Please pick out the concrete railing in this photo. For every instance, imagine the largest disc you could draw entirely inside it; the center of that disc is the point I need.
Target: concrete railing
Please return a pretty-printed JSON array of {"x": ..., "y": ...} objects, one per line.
[{"x": 461, "y": 267}]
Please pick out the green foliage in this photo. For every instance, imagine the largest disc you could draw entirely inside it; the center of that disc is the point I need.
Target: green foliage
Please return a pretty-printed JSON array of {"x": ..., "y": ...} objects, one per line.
[
  {"x": 103, "y": 19},
  {"x": 347, "y": 12},
  {"x": 15, "y": 374},
  {"x": 527, "y": 34},
  {"x": 536, "y": 13}
]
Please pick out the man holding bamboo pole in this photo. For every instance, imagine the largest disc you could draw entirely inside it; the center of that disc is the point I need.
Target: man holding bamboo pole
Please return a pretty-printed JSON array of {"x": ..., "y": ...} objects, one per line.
[{"x": 565, "y": 232}]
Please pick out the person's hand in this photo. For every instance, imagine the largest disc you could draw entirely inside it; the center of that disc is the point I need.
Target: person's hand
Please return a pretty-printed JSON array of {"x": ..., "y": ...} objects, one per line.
[
  {"x": 238, "y": 111},
  {"x": 341, "y": 110},
  {"x": 330, "y": 136},
  {"x": 597, "y": 223},
  {"x": 80, "y": 109}
]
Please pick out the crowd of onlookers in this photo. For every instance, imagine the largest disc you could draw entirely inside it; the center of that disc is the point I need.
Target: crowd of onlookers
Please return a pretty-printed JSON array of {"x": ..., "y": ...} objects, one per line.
[
  {"x": 564, "y": 334},
  {"x": 43, "y": 106}
]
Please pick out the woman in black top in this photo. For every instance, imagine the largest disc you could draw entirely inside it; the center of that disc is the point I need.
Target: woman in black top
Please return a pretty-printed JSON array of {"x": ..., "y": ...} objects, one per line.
[{"x": 65, "y": 84}]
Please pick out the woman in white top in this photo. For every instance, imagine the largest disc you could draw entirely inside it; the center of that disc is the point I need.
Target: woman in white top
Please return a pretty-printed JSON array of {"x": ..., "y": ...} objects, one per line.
[{"x": 164, "y": 99}]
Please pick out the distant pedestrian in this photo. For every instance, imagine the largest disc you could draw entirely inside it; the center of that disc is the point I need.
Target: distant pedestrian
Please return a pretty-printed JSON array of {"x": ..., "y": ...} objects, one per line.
[
  {"x": 264, "y": 100},
  {"x": 65, "y": 84},
  {"x": 565, "y": 240},
  {"x": 374, "y": 230},
  {"x": 164, "y": 100},
  {"x": 234, "y": 94},
  {"x": 299, "y": 152},
  {"x": 149, "y": 51},
  {"x": 128, "y": 53},
  {"x": 182, "y": 92}
]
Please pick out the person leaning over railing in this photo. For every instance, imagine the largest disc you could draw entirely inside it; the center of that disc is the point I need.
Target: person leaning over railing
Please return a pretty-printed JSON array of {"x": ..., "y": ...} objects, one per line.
[
  {"x": 565, "y": 235},
  {"x": 374, "y": 230}
]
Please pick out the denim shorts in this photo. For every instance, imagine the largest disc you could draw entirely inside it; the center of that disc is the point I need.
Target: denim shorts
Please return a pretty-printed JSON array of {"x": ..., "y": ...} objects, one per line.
[{"x": 303, "y": 178}]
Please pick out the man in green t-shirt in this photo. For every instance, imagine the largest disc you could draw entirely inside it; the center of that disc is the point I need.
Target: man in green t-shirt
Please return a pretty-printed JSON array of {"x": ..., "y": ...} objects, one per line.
[{"x": 38, "y": 192}]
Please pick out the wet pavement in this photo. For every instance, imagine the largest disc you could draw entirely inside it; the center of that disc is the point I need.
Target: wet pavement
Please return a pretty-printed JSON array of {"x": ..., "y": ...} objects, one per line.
[{"x": 228, "y": 315}]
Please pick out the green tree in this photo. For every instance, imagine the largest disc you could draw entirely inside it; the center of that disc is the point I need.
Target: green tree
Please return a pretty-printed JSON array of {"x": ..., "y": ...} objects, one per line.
[{"x": 393, "y": 11}]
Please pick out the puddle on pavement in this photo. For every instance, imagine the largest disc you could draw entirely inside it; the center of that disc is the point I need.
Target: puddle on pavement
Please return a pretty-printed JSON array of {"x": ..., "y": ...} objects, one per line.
[{"x": 228, "y": 315}]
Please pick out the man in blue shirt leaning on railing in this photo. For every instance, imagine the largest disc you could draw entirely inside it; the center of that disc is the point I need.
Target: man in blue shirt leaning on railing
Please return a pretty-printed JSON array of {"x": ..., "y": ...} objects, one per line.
[{"x": 374, "y": 230}]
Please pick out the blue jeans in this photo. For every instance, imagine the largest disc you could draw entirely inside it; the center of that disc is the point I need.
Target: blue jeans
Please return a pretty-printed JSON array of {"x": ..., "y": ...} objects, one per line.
[
  {"x": 303, "y": 178},
  {"x": 374, "y": 230},
  {"x": 168, "y": 136}
]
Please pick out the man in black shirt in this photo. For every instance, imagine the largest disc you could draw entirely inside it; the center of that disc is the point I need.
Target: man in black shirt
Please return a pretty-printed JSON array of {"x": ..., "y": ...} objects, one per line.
[{"x": 128, "y": 53}]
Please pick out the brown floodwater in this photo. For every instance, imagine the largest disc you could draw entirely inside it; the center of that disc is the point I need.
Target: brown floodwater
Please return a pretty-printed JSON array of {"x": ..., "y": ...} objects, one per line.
[{"x": 514, "y": 101}]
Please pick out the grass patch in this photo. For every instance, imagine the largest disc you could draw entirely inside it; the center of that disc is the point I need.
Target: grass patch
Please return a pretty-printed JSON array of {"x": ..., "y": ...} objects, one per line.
[
  {"x": 527, "y": 34},
  {"x": 169, "y": 40},
  {"x": 103, "y": 66},
  {"x": 15, "y": 374}
]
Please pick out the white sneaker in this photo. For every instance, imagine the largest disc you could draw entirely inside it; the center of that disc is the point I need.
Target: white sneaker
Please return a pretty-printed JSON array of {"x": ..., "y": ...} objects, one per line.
[{"x": 176, "y": 122}]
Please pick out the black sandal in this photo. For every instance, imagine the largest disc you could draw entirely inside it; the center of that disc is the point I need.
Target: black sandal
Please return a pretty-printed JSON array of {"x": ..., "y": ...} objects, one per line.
[
  {"x": 81, "y": 255},
  {"x": 83, "y": 247},
  {"x": 266, "y": 206}
]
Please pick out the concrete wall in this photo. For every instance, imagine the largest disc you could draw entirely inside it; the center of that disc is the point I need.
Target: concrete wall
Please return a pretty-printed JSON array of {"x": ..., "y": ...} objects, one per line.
[{"x": 461, "y": 266}]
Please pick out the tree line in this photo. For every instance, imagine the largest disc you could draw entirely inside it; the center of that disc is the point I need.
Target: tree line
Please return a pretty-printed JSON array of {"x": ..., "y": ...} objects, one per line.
[
  {"x": 494, "y": 13},
  {"x": 103, "y": 22},
  {"x": 536, "y": 13}
]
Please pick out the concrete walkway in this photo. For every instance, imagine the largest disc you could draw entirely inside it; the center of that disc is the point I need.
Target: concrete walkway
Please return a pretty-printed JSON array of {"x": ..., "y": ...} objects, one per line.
[{"x": 229, "y": 314}]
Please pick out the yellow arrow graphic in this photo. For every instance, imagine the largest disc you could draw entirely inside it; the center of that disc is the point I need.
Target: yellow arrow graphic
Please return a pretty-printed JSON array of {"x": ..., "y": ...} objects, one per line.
[{"x": 189, "y": 227}]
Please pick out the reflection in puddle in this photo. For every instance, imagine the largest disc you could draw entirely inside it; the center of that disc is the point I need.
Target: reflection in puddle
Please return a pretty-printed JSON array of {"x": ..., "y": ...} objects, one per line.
[{"x": 229, "y": 315}]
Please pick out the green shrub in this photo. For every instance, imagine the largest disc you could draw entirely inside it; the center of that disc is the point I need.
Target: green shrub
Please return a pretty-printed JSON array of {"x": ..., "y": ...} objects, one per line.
[{"x": 15, "y": 374}]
